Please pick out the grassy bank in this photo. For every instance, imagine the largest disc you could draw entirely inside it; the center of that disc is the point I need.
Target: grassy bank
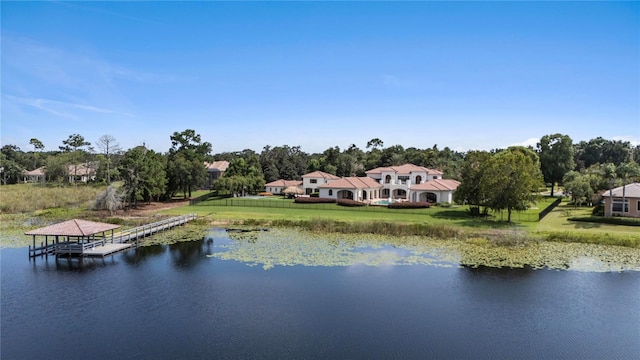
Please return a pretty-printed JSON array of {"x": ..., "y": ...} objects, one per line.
[
  {"x": 33, "y": 206},
  {"x": 24, "y": 198}
]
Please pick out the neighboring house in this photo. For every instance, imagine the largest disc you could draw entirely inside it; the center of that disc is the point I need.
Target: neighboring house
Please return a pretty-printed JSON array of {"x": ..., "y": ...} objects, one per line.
[
  {"x": 630, "y": 207},
  {"x": 397, "y": 180},
  {"x": 276, "y": 187},
  {"x": 434, "y": 191},
  {"x": 354, "y": 188},
  {"x": 35, "y": 175},
  {"x": 312, "y": 181},
  {"x": 82, "y": 172},
  {"x": 215, "y": 170}
]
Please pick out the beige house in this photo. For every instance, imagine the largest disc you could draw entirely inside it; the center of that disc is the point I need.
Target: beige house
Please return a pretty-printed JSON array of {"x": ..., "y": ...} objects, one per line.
[
  {"x": 363, "y": 189},
  {"x": 276, "y": 187},
  {"x": 629, "y": 206},
  {"x": 215, "y": 170},
  {"x": 312, "y": 181},
  {"x": 35, "y": 175},
  {"x": 75, "y": 173}
]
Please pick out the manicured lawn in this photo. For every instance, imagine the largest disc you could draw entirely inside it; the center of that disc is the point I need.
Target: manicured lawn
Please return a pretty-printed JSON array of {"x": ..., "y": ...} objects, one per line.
[
  {"x": 272, "y": 208},
  {"x": 557, "y": 221}
]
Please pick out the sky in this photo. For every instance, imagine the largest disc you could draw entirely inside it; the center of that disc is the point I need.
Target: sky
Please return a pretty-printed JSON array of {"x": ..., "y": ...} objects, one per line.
[{"x": 467, "y": 75}]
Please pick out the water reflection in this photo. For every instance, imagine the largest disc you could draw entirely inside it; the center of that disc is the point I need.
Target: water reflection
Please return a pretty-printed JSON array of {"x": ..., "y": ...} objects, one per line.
[{"x": 186, "y": 255}]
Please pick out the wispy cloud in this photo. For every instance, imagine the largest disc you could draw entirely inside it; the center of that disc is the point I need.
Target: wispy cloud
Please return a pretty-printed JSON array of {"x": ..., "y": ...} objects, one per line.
[{"x": 59, "y": 108}]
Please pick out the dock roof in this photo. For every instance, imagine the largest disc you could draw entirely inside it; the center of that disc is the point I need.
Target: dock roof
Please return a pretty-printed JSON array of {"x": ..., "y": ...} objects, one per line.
[{"x": 75, "y": 227}]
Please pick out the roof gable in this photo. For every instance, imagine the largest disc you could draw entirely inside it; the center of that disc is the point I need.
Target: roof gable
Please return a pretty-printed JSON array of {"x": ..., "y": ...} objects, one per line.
[
  {"x": 284, "y": 183},
  {"x": 320, "y": 174},
  {"x": 404, "y": 169},
  {"x": 75, "y": 227},
  {"x": 217, "y": 165},
  {"x": 631, "y": 191},
  {"x": 437, "y": 185},
  {"x": 352, "y": 183}
]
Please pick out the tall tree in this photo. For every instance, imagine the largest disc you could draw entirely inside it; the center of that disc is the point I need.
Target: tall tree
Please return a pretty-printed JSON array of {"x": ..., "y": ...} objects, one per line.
[
  {"x": 37, "y": 146},
  {"x": 185, "y": 167},
  {"x": 108, "y": 145},
  {"x": 472, "y": 189},
  {"x": 609, "y": 173},
  {"x": 556, "y": 157},
  {"x": 75, "y": 145},
  {"x": 513, "y": 178},
  {"x": 143, "y": 173}
]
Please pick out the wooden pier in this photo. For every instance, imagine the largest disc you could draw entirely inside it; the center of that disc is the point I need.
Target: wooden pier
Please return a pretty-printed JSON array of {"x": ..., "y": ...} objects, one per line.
[{"x": 90, "y": 245}]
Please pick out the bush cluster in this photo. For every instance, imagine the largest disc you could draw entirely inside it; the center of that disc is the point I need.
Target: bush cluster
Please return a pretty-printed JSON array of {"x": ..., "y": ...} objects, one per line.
[
  {"x": 352, "y": 203},
  {"x": 315, "y": 194},
  {"x": 314, "y": 200},
  {"x": 409, "y": 205},
  {"x": 607, "y": 220}
]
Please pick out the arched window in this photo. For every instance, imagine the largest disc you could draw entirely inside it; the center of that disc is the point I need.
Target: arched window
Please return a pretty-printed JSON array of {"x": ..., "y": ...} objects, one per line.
[
  {"x": 387, "y": 179},
  {"x": 418, "y": 179},
  {"x": 330, "y": 192}
]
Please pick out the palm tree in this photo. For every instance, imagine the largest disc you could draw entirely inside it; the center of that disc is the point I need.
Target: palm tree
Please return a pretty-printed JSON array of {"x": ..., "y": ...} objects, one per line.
[
  {"x": 625, "y": 171},
  {"x": 609, "y": 173}
]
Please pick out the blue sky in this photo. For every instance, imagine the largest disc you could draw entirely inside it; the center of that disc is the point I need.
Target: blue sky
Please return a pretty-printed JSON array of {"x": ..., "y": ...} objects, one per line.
[{"x": 468, "y": 75}]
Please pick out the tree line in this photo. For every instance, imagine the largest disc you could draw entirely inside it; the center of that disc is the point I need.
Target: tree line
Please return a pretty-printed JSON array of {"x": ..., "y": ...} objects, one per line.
[{"x": 584, "y": 168}]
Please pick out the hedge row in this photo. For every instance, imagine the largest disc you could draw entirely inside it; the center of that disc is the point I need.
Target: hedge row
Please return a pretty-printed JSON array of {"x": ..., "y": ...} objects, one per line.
[
  {"x": 347, "y": 202},
  {"x": 409, "y": 205},
  {"x": 314, "y": 200},
  {"x": 607, "y": 220}
]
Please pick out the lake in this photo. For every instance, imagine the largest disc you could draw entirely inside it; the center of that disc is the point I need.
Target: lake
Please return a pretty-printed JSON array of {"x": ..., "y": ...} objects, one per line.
[{"x": 193, "y": 300}]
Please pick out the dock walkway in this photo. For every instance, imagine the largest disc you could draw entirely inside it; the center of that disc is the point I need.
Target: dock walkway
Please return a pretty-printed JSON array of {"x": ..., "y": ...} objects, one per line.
[{"x": 109, "y": 244}]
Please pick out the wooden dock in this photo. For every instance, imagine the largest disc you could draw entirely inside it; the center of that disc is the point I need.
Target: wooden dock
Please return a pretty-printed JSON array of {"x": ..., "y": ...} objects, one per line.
[{"x": 107, "y": 245}]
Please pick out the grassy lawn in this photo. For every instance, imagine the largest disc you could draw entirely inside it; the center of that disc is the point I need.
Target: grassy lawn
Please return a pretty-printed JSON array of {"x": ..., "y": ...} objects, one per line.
[
  {"x": 273, "y": 208},
  {"x": 557, "y": 221}
]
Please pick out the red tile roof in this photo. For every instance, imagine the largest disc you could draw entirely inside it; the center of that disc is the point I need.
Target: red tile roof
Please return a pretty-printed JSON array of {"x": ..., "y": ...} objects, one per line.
[
  {"x": 404, "y": 169},
  {"x": 437, "y": 185},
  {"x": 284, "y": 183},
  {"x": 320, "y": 174},
  {"x": 74, "y": 227},
  {"x": 352, "y": 183}
]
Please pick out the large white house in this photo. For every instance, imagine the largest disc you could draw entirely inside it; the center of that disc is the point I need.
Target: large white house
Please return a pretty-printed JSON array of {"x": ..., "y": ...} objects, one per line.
[
  {"x": 311, "y": 181},
  {"x": 363, "y": 189},
  {"x": 398, "y": 181}
]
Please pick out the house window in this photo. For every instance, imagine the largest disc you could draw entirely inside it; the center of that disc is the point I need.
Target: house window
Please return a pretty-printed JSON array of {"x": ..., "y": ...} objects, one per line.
[
  {"x": 435, "y": 176},
  {"x": 403, "y": 179},
  {"x": 638, "y": 205},
  {"x": 385, "y": 192},
  {"x": 418, "y": 179},
  {"x": 330, "y": 192},
  {"x": 313, "y": 181},
  {"x": 617, "y": 205}
]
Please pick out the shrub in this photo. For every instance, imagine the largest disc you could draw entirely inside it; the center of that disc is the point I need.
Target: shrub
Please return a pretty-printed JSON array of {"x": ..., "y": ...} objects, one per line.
[
  {"x": 607, "y": 220},
  {"x": 352, "y": 203},
  {"x": 315, "y": 194},
  {"x": 314, "y": 200},
  {"x": 266, "y": 193},
  {"x": 409, "y": 205}
]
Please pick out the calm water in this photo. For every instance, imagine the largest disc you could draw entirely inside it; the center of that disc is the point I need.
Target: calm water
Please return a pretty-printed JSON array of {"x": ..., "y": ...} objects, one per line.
[{"x": 174, "y": 302}]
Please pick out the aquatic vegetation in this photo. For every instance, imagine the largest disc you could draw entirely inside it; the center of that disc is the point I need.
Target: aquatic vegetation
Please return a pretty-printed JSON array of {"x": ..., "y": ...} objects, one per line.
[{"x": 281, "y": 247}]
